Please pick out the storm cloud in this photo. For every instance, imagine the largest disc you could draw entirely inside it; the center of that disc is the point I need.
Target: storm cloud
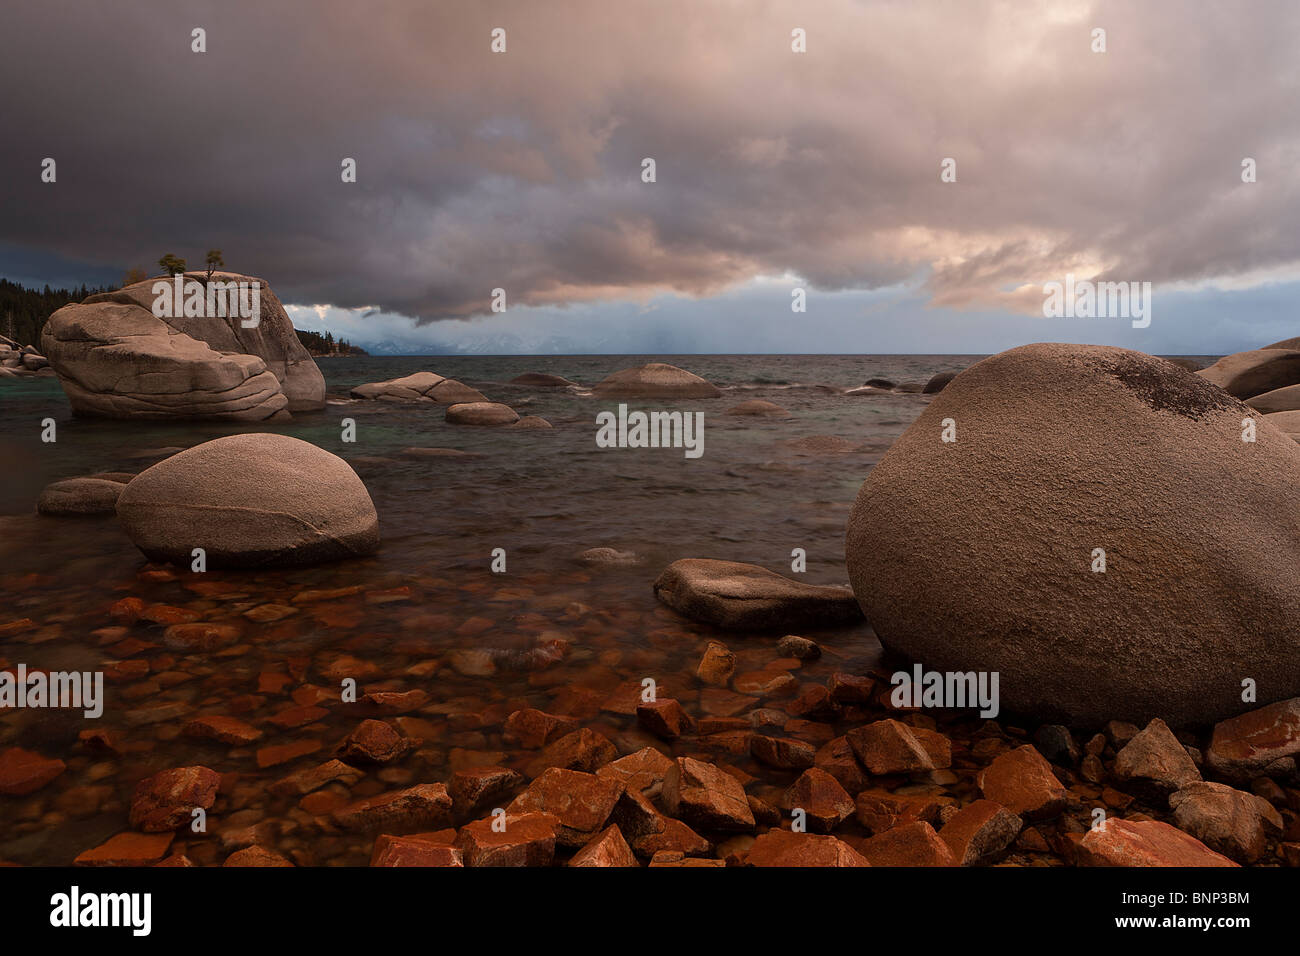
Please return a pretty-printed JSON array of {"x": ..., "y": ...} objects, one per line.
[{"x": 522, "y": 170}]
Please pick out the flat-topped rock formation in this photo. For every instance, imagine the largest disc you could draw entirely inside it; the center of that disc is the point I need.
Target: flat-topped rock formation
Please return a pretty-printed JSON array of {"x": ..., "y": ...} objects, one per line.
[
  {"x": 420, "y": 387},
  {"x": 732, "y": 595},
  {"x": 980, "y": 554},
  {"x": 656, "y": 380},
  {"x": 116, "y": 359}
]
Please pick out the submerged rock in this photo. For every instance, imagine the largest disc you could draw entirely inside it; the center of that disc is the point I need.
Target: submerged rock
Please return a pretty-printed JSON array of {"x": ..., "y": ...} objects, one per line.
[
  {"x": 249, "y": 501},
  {"x": 655, "y": 380},
  {"x": 80, "y": 496},
  {"x": 481, "y": 413},
  {"x": 737, "y": 596},
  {"x": 758, "y": 408},
  {"x": 978, "y": 554}
]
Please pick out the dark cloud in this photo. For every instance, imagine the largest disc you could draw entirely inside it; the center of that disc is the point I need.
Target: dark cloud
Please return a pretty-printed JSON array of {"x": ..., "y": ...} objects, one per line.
[{"x": 522, "y": 170}]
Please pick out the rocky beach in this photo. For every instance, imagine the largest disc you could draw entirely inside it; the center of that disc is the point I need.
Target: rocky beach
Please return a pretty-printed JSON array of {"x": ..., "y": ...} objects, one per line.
[{"x": 408, "y": 612}]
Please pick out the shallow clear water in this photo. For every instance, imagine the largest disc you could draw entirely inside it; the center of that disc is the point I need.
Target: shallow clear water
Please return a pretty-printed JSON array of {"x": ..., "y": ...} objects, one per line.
[{"x": 543, "y": 496}]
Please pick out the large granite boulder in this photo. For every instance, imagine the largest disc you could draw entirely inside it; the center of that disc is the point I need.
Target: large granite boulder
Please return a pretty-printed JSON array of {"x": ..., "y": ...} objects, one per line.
[
  {"x": 1247, "y": 374},
  {"x": 655, "y": 380},
  {"x": 249, "y": 501},
  {"x": 979, "y": 554},
  {"x": 736, "y": 596},
  {"x": 80, "y": 496},
  {"x": 419, "y": 387},
  {"x": 116, "y": 359},
  {"x": 481, "y": 413}
]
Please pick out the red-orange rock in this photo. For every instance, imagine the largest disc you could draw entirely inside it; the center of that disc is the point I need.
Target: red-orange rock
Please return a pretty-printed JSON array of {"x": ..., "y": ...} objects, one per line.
[
  {"x": 23, "y": 771},
  {"x": 256, "y": 856},
  {"x": 584, "y": 750},
  {"x": 534, "y": 729},
  {"x": 474, "y": 786},
  {"x": 283, "y": 753},
  {"x": 581, "y": 802},
  {"x": 850, "y": 688},
  {"x": 313, "y": 778},
  {"x": 836, "y": 757},
  {"x": 782, "y": 753},
  {"x": 200, "y": 638},
  {"x": 1023, "y": 782},
  {"x": 608, "y": 848},
  {"x": 166, "y": 614},
  {"x": 824, "y": 802},
  {"x": 703, "y": 796},
  {"x": 664, "y": 718},
  {"x": 784, "y": 848},
  {"x": 420, "y": 807},
  {"x": 1241, "y": 747},
  {"x": 879, "y": 810},
  {"x": 912, "y": 844},
  {"x": 414, "y": 851},
  {"x": 980, "y": 831},
  {"x": 166, "y": 800},
  {"x": 226, "y": 730},
  {"x": 520, "y": 840},
  {"x": 891, "y": 746},
  {"x": 128, "y": 849},
  {"x": 1145, "y": 843},
  {"x": 128, "y": 610},
  {"x": 641, "y": 771},
  {"x": 373, "y": 742}
]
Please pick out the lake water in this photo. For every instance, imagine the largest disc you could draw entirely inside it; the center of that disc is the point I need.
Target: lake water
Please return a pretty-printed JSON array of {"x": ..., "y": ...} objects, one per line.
[{"x": 542, "y": 496}]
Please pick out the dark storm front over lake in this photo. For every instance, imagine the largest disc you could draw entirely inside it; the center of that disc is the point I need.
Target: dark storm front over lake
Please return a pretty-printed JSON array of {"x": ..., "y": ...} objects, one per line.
[{"x": 763, "y": 487}]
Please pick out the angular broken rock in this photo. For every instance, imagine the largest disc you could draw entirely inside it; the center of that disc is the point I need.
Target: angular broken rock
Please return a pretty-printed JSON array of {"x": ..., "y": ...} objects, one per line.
[
  {"x": 782, "y": 753},
  {"x": 168, "y": 799},
  {"x": 511, "y": 840},
  {"x": 891, "y": 746},
  {"x": 881, "y": 810},
  {"x": 128, "y": 849},
  {"x": 1242, "y": 747},
  {"x": 1228, "y": 821},
  {"x": 824, "y": 802},
  {"x": 584, "y": 750},
  {"x": 1154, "y": 763},
  {"x": 980, "y": 831},
  {"x": 912, "y": 844},
  {"x": 313, "y": 778},
  {"x": 474, "y": 786},
  {"x": 735, "y": 596},
  {"x": 414, "y": 850},
  {"x": 664, "y": 718},
  {"x": 606, "y": 849},
  {"x": 784, "y": 848},
  {"x": 373, "y": 742},
  {"x": 256, "y": 856},
  {"x": 836, "y": 757},
  {"x": 534, "y": 729},
  {"x": 1144, "y": 843},
  {"x": 580, "y": 802},
  {"x": 1023, "y": 782},
  {"x": 643, "y": 771},
  {"x": 416, "y": 808},
  {"x": 705, "y": 797}
]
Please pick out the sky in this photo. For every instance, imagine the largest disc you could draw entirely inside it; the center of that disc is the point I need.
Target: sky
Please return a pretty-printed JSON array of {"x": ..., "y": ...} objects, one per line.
[{"x": 774, "y": 170}]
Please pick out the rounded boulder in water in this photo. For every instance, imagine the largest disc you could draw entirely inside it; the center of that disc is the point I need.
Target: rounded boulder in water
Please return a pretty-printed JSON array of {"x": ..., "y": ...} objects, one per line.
[
  {"x": 985, "y": 553},
  {"x": 252, "y": 500}
]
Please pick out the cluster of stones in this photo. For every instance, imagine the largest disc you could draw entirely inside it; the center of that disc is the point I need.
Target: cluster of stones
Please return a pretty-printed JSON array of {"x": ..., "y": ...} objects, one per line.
[
  {"x": 17, "y": 361},
  {"x": 618, "y": 780}
]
